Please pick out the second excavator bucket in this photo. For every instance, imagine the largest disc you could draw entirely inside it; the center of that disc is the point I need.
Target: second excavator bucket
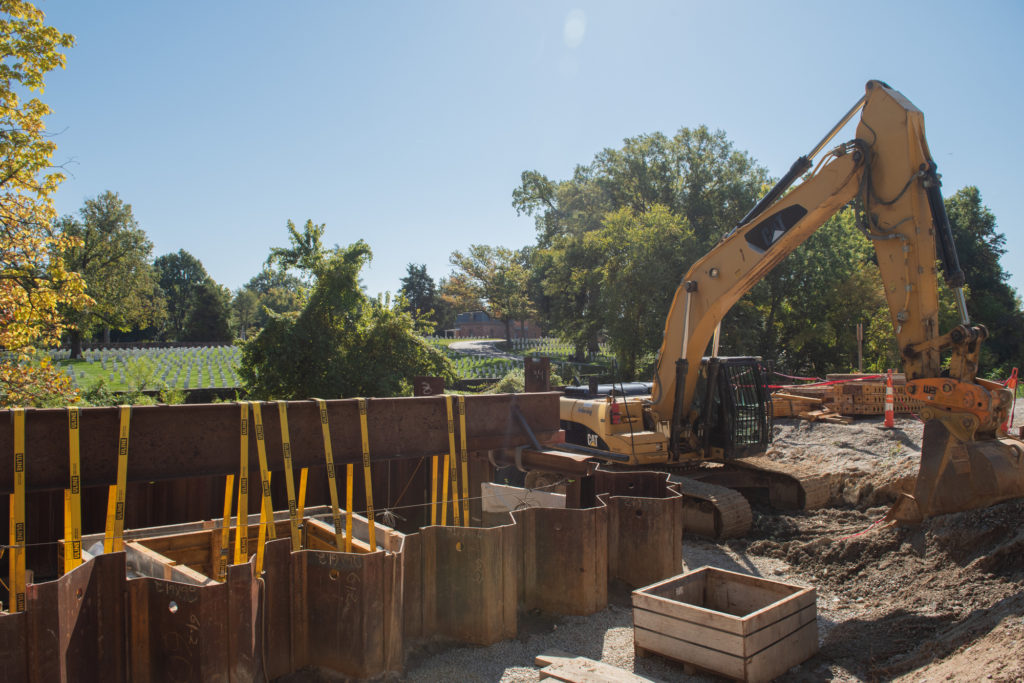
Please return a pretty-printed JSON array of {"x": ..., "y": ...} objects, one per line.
[{"x": 957, "y": 475}]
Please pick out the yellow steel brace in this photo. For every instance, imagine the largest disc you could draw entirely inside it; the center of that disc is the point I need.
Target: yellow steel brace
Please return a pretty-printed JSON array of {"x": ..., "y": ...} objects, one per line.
[
  {"x": 365, "y": 432},
  {"x": 242, "y": 530},
  {"x": 289, "y": 476},
  {"x": 225, "y": 530},
  {"x": 267, "y": 507},
  {"x": 451, "y": 460},
  {"x": 16, "y": 556},
  {"x": 113, "y": 540},
  {"x": 332, "y": 478},
  {"x": 464, "y": 456},
  {"x": 73, "y": 543}
]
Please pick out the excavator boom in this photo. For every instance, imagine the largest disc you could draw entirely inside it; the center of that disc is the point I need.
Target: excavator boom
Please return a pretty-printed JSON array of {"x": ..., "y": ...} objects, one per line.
[{"x": 966, "y": 460}]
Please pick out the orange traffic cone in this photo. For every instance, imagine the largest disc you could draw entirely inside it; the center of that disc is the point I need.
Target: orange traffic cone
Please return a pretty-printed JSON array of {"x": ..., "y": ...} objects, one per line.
[{"x": 890, "y": 401}]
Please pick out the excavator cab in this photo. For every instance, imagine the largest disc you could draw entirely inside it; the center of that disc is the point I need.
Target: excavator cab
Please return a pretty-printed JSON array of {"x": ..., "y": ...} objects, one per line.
[{"x": 733, "y": 407}]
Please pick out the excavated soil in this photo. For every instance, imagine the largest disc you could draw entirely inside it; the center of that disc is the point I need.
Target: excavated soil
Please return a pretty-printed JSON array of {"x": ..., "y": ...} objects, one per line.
[{"x": 944, "y": 601}]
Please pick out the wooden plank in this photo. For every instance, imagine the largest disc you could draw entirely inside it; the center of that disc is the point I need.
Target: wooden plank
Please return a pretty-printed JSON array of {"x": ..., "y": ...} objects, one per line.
[
  {"x": 681, "y": 651},
  {"x": 742, "y": 596},
  {"x": 685, "y": 612},
  {"x": 784, "y": 654},
  {"x": 151, "y": 563},
  {"x": 561, "y": 666},
  {"x": 794, "y": 397},
  {"x": 776, "y": 611},
  {"x": 689, "y": 631},
  {"x": 771, "y": 634}
]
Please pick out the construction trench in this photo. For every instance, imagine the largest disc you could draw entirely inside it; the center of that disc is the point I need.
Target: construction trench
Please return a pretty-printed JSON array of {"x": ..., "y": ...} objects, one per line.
[{"x": 174, "y": 605}]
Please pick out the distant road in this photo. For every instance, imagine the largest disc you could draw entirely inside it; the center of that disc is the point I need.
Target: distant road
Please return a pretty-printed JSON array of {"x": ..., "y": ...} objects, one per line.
[{"x": 481, "y": 347}]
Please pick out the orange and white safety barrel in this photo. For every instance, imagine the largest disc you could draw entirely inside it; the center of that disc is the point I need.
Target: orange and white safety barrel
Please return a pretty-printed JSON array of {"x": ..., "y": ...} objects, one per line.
[{"x": 890, "y": 402}]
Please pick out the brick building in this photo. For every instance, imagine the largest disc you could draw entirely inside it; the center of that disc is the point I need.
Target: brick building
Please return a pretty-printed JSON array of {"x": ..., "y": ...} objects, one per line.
[{"x": 479, "y": 324}]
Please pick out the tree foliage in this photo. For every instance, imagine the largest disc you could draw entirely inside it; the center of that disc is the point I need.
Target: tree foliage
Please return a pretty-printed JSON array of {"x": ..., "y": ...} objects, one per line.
[
  {"x": 696, "y": 177},
  {"x": 278, "y": 291},
  {"x": 418, "y": 290},
  {"x": 341, "y": 343},
  {"x": 112, "y": 253},
  {"x": 197, "y": 307},
  {"x": 34, "y": 280},
  {"x": 498, "y": 277},
  {"x": 990, "y": 298},
  {"x": 614, "y": 240}
]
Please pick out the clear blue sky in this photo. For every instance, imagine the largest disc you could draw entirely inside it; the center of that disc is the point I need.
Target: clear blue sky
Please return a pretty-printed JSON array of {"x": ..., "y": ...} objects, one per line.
[{"x": 407, "y": 124}]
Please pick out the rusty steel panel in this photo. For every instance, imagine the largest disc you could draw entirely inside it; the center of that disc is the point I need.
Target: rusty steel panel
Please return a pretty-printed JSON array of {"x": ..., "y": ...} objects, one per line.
[
  {"x": 14, "y": 647},
  {"x": 76, "y": 624},
  {"x": 564, "y": 559},
  {"x": 470, "y": 583},
  {"x": 178, "y": 441},
  {"x": 628, "y": 483},
  {"x": 645, "y": 538},
  {"x": 180, "y": 632},
  {"x": 245, "y": 637},
  {"x": 277, "y": 612},
  {"x": 537, "y": 374},
  {"x": 347, "y": 613}
]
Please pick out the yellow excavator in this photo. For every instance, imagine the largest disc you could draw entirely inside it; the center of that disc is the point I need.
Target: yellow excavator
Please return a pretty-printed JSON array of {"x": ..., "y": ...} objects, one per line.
[{"x": 708, "y": 420}]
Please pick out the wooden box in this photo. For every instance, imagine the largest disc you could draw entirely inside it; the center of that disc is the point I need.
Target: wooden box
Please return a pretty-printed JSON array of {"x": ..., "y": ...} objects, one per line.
[{"x": 739, "y": 626}]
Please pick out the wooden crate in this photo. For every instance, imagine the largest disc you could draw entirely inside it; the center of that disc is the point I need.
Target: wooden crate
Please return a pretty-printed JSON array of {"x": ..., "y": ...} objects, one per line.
[{"x": 739, "y": 626}]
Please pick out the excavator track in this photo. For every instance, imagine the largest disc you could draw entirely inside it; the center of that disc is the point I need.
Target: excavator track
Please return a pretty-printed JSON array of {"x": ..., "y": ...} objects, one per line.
[
  {"x": 790, "y": 486},
  {"x": 712, "y": 511}
]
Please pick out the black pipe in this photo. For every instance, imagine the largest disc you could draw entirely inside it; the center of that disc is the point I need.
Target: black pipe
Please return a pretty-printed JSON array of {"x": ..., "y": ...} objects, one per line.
[
  {"x": 943, "y": 231},
  {"x": 799, "y": 167}
]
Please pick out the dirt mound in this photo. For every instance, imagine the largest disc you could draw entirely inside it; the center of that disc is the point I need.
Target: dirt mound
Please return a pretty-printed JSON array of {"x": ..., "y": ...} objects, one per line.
[
  {"x": 863, "y": 462},
  {"x": 918, "y": 595}
]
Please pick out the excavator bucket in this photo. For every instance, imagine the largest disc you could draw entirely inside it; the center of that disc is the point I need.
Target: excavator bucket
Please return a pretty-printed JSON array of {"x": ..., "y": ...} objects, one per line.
[{"x": 957, "y": 475}]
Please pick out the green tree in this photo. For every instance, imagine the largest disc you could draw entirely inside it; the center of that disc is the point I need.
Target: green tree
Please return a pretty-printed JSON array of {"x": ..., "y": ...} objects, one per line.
[
  {"x": 35, "y": 284},
  {"x": 245, "y": 306},
  {"x": 209, "y": 318},
  {"x": 639, "y": 253},
  {"x": 419, "y": 291},
  {"x": 342, "y": 343},
  {"x": 278, "y": 291},
  {"x": 696, "y": 175},
  {"x": 182, "y": 278},
  {"x": 112, "y": 253},
  {"x": 498, "y": 277},
  {"x": 990, "y": 298}
]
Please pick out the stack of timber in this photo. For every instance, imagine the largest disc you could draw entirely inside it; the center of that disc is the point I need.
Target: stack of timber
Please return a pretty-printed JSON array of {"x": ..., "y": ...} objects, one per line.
[
  {"x": 787, "y": 403},
  {"x": 858, "y": 396}
]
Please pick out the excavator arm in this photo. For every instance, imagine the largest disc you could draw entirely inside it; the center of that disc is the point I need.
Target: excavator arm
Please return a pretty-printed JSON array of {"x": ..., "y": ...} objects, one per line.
[{"x": 887, "y": 167}]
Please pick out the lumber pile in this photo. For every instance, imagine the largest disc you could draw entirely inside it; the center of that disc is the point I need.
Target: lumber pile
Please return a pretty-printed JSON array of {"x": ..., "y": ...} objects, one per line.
[{"x": 789, "y": 404}]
